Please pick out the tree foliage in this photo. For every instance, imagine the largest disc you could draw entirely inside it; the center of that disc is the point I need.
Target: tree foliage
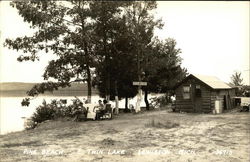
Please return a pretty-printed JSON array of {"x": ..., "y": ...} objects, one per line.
[
  {"x": 107, "y": 27},
  {"x": 116, "y": 39},
  {"x": 61, "y": 29},
  {"x": 163, "y": 66},
  {"x": 236, "y": 79},
  {"x": 131, "y": 33}
]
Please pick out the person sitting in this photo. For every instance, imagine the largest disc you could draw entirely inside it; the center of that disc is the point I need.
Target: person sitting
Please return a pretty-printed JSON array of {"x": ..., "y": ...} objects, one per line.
[
  {"x": 101, "y": 109},
  {"x": 105, "y": 103},
  {"x": 101, "y": 106}
]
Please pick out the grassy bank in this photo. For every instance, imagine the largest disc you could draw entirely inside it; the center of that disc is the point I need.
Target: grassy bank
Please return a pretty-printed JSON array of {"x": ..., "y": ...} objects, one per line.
[{"x": 148, "y": 136}]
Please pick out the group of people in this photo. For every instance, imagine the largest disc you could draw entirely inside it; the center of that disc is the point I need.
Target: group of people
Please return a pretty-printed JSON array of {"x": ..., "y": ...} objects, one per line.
[{"x": 101, "y": 109}]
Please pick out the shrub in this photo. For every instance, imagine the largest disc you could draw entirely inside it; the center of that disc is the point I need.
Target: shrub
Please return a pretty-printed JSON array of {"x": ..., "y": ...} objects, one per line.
[
  {"x": 157, "y": 102},
  {"x": 57, "y": 109},
  {"x": 75, "y": 108},
  {"x": 44, "y": 112}
]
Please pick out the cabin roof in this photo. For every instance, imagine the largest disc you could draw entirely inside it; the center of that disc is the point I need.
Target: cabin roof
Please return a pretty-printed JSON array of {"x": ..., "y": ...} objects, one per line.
[{"x": 211, "y": 81}]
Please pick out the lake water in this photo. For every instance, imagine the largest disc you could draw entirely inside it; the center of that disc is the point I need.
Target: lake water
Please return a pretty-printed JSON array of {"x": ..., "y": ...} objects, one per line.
[{"x": 13, "y": 115}]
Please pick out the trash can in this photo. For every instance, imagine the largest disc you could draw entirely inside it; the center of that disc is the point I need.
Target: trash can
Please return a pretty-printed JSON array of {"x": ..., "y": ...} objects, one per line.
[{"x": 218, "y": 107}]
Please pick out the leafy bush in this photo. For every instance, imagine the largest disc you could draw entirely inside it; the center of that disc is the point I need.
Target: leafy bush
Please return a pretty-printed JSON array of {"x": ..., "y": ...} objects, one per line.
[
  {"x": 75, "y": 109},
  {"x": 44, "y": 112},
  {"x": 157, "y": 102},
  {"x": 57, "y": 109}
]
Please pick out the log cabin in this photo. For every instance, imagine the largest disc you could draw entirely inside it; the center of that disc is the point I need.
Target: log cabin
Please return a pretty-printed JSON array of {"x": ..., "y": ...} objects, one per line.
[{"x": 203, "y": 94}]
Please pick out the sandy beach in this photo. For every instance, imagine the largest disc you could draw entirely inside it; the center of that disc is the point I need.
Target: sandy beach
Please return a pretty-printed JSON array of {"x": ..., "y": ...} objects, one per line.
[{"x": 133, "y": 137}]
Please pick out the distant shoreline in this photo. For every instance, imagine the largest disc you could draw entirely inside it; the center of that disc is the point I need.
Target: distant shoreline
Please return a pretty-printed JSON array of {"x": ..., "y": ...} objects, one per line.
[
  {"x": 55, "y": 93},
  {"x": 19, "y": 89}
]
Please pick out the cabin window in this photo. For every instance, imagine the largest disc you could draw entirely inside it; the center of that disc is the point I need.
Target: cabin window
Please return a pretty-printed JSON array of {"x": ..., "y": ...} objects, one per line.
[
  {"x": 197, "y": 91},
  {"x": 186, "y": 92}
]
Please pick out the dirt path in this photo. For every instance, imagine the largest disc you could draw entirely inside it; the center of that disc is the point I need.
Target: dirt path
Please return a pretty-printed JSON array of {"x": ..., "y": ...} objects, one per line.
[{"x": 178, "y": 137}]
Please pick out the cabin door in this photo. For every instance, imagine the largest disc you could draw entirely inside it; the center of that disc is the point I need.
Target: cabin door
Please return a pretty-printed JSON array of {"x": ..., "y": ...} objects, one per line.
[{"x": 197, "y": 99}]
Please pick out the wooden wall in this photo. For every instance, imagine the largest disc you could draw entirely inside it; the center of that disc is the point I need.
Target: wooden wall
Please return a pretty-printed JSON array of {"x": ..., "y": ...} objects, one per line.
[
  {"x": 208, "y": 97},
  {"x": 182, "y": 104},
  {"x": 188, "y": 105}
]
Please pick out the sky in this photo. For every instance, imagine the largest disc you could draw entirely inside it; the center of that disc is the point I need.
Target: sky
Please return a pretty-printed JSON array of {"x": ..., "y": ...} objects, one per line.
[{"x": 213, "y": 37}]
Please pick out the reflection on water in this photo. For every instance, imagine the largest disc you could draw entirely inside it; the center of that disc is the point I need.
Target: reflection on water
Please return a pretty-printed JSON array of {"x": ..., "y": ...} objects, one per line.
[{"x": 13, "y": 114}]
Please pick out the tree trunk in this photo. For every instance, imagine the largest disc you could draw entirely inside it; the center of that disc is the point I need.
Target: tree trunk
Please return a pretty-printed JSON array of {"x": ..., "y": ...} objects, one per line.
[
  {"x": 126, "y": 104},
  {"x": 107, "y": 58},
  {"x": 89, "y": 85},
  {"x": 116, "y": 99},
  {"x": 88, "y": 73},
  {"x": 86, "y": 56},
  {"x": 146, "y": 99}
]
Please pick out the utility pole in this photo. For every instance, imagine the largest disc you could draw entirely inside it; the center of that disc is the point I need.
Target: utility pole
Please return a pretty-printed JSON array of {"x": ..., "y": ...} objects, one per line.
[
  {"x": 139, "y": 83},
  {"x": 139, "y": 96}
]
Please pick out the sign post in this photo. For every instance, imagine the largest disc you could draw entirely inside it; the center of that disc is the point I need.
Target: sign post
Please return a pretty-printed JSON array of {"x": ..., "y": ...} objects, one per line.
[{"x": 139, "y": 95}]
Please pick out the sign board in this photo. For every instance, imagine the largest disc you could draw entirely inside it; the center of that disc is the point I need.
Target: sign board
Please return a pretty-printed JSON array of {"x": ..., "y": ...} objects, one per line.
[{"x": 140, "y": 83}]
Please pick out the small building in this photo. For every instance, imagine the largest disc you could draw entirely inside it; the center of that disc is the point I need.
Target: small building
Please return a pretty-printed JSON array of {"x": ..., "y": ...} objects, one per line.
[{"x": 199, "y": 93}]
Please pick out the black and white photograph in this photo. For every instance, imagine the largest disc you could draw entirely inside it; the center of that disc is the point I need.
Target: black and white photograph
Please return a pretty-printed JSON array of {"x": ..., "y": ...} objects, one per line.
[{"x": 124, "y": 81}]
